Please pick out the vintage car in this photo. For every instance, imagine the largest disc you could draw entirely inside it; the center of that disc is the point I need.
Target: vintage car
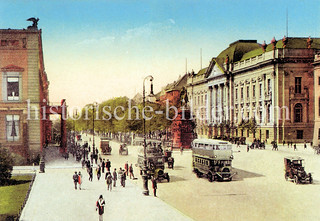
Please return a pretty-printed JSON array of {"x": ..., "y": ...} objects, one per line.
[
  {"x": 294, "y": 170},
  {"x": 105, "y": 146},
  {"x": 154, "y": 162},
  {"x": 123, "y": 149}
]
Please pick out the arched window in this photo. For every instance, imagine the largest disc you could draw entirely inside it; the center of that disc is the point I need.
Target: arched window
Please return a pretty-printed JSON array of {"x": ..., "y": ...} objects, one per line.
[{"x": 298, "y": 113}]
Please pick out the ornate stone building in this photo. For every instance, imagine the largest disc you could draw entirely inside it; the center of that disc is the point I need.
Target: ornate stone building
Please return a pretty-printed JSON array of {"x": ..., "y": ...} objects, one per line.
[{"x": 258, "y": 91}]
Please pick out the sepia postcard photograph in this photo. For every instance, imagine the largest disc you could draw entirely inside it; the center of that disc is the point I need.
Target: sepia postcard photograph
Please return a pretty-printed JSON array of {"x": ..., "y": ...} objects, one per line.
[{"x": 150, "y": 110}]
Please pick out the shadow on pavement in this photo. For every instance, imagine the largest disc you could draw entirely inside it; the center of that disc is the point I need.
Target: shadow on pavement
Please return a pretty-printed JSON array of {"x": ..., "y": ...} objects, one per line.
[
  {"x": 243, "y": 174},
  {"x": 177, "y": 168},
  {"x": 174, "y": 179}
]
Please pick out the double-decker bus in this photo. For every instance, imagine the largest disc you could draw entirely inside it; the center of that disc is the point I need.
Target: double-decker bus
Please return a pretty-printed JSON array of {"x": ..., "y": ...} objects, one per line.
[{"x": 212, "y": 158}]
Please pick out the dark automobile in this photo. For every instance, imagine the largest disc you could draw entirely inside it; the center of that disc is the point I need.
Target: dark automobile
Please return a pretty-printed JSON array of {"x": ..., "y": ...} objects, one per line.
[
  {"x": 294, "y": 170},
  {"x": 123, "y": 150}
]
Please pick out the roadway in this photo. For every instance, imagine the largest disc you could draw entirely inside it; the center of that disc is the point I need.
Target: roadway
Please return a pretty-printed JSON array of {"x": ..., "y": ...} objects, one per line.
[{"x": 258, "y": 192}]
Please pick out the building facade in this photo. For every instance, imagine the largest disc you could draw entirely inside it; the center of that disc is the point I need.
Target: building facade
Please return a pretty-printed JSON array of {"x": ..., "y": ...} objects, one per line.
[
  {"x": 258, "y": 91},
  {"x": 197, "y": 92},
  {"x": 316, "y": 132},
  {"x": 24, "y": 90}
]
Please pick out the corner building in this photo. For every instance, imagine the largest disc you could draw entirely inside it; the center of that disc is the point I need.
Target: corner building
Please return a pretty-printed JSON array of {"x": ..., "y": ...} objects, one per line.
[
  {"x": 272, "y": 84},
  {"x": 24, "y": 90}
]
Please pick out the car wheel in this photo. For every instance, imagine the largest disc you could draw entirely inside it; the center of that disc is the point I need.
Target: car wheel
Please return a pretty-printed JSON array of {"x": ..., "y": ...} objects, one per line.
[
  {"x": 210, "y": 177},
  {"x": 310, "y": 178},
  {"x": 296, "y": 179}
]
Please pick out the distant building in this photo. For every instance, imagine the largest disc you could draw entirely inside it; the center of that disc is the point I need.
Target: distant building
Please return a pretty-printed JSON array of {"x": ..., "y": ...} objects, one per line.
[{"x": 24, "y": 125}]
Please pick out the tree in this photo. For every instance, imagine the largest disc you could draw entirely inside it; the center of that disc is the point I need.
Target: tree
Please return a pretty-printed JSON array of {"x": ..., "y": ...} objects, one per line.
[{"x": 6, "y": 165}]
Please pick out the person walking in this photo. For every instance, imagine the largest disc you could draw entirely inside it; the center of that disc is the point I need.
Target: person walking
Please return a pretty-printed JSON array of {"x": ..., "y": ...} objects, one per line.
[
  {"x": 100, "y": 207},
  {"x": 75, "y": 179},
  {"x": 103, "y": 164},
  {"x": 123, "y": 178},
  {"x": 126, "y": 167},
  {"x": 109, "y": 182},
  {"x": 98, "y": 172},
  {"x": 79, "y": 179},
  {"x": 108, "y": 165},
  {"x": 114, "y": 177},
  {"x": 131, "y": 171},
  {"x": 90, "y": 173},
  {"x": 248, "y": 147},
  {"x": 154, "y": 186},
  {"x": 295, "y": 147}
]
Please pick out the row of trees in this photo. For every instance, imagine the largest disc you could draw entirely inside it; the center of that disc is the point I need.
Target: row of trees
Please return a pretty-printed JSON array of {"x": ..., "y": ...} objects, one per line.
[{"x": 121, "y": 115}]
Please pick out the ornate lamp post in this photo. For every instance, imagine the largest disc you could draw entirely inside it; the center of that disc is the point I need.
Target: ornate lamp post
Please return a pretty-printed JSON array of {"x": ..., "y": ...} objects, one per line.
[
  {"x": 93, "y": 144},
  {"x": 145, "y": 167}
]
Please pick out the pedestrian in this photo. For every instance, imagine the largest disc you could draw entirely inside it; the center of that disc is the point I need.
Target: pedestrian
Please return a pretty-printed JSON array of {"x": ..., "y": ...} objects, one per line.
[
  {"x": 131, "y": 171},
  {"x": 79, "y": 179},
  {"x": 100, "y": 207},
  {"x": 181, "y": 150},
  {"x": 75, "y": 179},
  {"x": 114, "y": 177},
  {"x": 108, "y": 165},
  {"x": 90, "y": 173},
  {"x": 103, "y": 164},
  {"x": 154, "y": 186},
  {"x": 305, "y": 145},
  {"x": 283, "y": 142},
  {"x": 98, "y": 172},
  {"x": 124, "y": 177},
  {"x": 294, "y": 147},
  {"x": 248, "y": 147},
  {"x": 126, "y": 167},
  {"x": 109, "y": 182}
]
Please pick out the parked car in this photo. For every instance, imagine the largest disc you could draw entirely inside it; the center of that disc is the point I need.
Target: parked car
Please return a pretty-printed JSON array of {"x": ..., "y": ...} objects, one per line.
[{"x": 294, "y": 170}]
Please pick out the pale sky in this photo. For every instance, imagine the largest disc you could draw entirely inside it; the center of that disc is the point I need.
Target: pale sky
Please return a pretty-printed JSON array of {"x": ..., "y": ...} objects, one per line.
[{"x": 96, "y": 50}]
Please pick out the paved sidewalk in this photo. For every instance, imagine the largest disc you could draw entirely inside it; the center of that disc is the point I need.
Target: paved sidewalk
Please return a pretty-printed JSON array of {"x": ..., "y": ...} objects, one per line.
[{"x": 53, "y": 197}]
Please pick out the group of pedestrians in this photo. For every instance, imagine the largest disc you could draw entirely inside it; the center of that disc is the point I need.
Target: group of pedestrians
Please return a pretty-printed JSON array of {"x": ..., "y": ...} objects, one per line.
[{"x": 77, "y": 179}]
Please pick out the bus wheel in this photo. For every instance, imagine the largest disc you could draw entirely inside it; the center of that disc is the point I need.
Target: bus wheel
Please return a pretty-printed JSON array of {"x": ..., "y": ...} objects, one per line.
[
  {"x": 199, "y": 174},
  {"x": 210, "y": 177}
]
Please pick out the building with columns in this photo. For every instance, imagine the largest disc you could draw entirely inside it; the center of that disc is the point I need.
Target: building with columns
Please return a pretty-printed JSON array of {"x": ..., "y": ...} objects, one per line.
[
  {"x": 197, "y": 92},
  {"x": 262, "y": 91}
]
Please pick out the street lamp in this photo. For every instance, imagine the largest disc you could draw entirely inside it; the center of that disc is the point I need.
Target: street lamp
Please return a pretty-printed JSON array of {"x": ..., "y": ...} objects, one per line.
[
  {"x": 145, "y": 167},
  {"x": 93, "y": 145}
]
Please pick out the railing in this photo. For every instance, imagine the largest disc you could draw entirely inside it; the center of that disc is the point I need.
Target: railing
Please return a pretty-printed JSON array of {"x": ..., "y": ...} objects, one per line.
[{"x": 27, "y": 197}]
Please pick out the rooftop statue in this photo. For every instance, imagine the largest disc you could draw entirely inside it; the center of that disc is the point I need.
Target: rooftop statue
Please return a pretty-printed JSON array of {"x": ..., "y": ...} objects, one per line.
[{"x": 35, "y": 23}]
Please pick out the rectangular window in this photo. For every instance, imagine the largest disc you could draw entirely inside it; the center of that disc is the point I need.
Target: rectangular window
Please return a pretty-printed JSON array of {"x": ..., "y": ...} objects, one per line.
[
  {"x": 242, "y": 93},
  {"x": 248, "y": 91},
  {"x": 248, "y": 133},
  {"x": 205, "y": 100},
  {"x": 319, "y": 81},
  {"x": 253, "y": 90},
  {"x": 267, "y": 134},
  {"x": 12, "y": 127},
  {"x": 236, "y": 94},
  {"x": 269, "y": 85},
  {"x": 260, "y": 90},
  {"x": 299, "y": 134},
  {"x": 297, "y": 83},
  {"x": 319, "y": 134},
  {"x": 13, "y": 88}
]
